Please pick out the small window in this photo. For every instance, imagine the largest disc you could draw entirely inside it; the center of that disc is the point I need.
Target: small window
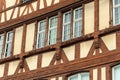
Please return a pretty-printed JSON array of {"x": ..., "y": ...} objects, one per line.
[
  {"x": 80, "y": 76},
  {"x": 116, "y": 72},
  {"x": 66, "y": 25},
  {"x": 52, "y": 33},
  {"x": 77, "y": 22},
  {"x": 41, "y": 34},
  {"x": 8, "y": 44},
  {"x": 116, "y": 12},
  {"x": 1, "y": 44},
  {"x": 25, "y": 1}
]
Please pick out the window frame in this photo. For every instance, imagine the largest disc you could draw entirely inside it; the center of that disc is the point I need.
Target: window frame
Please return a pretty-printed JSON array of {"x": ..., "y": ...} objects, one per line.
[
  {"x": 39, "y": 32},
  {"x": 49, "y": 29},
  {"x": 7, "y": 42},
  {"x": 114, "y": 6},
  {"x": 75, "y": 20},
  {"x": 63, "y": 25}
]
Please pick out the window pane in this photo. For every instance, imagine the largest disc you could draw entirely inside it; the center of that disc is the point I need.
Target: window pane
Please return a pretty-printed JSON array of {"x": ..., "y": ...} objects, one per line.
[
  {"x": 74, "y": 78},
  {"x": 78, "y": 13},
  {"x": 41, "y": 39},
  {"x": 85, "y": 76},
  {"x": 67, "y": 32},
  {"x": 1, "y": 44},
  {"x": 67, "y": 17},
  {"x": 117, "y": 2},
  {"x": 116, "y": 73}
]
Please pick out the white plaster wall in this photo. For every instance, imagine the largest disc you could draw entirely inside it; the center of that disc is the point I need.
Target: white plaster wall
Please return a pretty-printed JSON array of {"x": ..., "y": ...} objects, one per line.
[
  {"x": 103, "y": 73},
  {"x": 30, "y": 37},
  {"x": 53, "y": 79},
  {"x": 9, "y": 12},
  {"x": 49, "y": 2},
  {"x": 15, "y": 13},
  {"x": 2, "y": 17},
  {"x": 89, "y": 18},
  {"x": 95, "y": 74},
  {"x": 12, "y": 67},
  {"x": 32, "y": 62},
  {"x": 34, "y": 4},
  {"x": 41, "y": 4},
  {"x": 46, "y": 58},
  {"x": 10, "y": 3},
  {"x": 56, "y": 1},
  {"x": 104, "y": 14},
  {"x": 22, "y": 9},
  {"x": 110, "y": 41},
  {"x": 85, "y": 47},
  {"x": 70, "y": 52},
  {"x": 18, "y": 40},
  {"x": 2, "y": 66},
  {"x": 60, "y": 78}
]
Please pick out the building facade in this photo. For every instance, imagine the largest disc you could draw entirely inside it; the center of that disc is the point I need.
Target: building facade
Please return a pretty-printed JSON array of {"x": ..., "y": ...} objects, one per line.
[{"x": 59, "y": 39}]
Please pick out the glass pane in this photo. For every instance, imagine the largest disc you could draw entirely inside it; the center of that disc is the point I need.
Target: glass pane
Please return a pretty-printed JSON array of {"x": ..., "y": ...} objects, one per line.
[
  {"x": 116, "y": 2},
  {"x": 116, "y": 15},
  {"x": 41, "y": 39},
  {"x": 52, "y": 36},
  {"x": 67, "y": 32},
  {"x": 74, "y": 78},
  {"x": 53, "y": 22},
  {"x": 8, "y": 50},
  {"x": 42, "y": 25},
  {"x": 117, "y": 73},
  {"x": 85, "y": 76},
  {"x": 78, "y": 13},
  {"x": 9, "y": 36},
  {"x": 67, "y": 17},
  {"x": 77, "y": 28}
]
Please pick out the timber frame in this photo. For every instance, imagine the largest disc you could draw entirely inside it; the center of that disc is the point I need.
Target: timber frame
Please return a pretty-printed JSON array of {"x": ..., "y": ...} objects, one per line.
[{"x": 78, "y": 65}]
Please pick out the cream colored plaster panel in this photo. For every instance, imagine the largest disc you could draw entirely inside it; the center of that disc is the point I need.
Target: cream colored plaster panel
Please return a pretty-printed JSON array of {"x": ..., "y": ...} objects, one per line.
[
  {"x": 103, "y": 73},
  {"x": 89, "y": 18},
  {"x": 56, "y": 1},
  {"x": 2, "y": 66},
  {"x": 15, "y": 13},
  {"x": 46, "y": 58},
  {"x": 32, "y": 62},
  {"x": 2, "y": 17},
  {"x": 9, "y": 12},
  {"x": 70, "y": 52},
  {"x": 104, "y": 14},
  {"x": 29, "y": 37},
  {"x": 41, "y": 4},
  {"x": 84, "y": 48},
  {"x": 34, "y": 4},
  {"x": 95, "y": 74},
  {"x": 49, "y": 2},
  {"x": 22, "y": 9},
  {"x": 10, "y": 3},
  {"x": 12, "y": 67},
  {"x": 18, "y": 40},
  {"x": 53, "y": 79},
  {"x": 60, "y": 78},
  {"x": 110, "y": 41}
]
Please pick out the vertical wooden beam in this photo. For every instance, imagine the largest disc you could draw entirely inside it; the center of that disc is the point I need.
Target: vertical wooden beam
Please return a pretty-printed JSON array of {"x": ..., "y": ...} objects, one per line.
[
  {"x": 46, "y": 31},
  {"x": 111, "y": 12},
  {"x": 83, "y": 18},
  {"x": 38, "y": 4},
  {"x": 118, "y": 40},
  {"x": 13, "y": 41},
  {"x": 99, "y": 73},
  {"x": 23, "y": 38},
  {"x": 71, "y": 25},
  {"x": 77, "y": 50},
  {"x": 6, "y": 69},
  {"x": 108, "y": 73},
  {"x": 91, "y": 74},
  {"x": 39, "y": 63}
]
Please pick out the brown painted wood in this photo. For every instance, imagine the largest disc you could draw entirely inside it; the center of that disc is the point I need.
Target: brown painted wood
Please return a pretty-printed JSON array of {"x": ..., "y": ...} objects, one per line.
[
  {"x": 39, "y": 61},
  {"x": 6, "y": 69},
  {"x": 77, "y": 50}
]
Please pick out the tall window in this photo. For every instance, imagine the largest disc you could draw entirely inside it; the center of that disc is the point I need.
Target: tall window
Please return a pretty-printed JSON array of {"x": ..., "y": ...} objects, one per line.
[
  {"x": 52, "y": 33},
  {"x": 80, "y": 76},
  {"x": 66, "y": 25},
  {"x": 8, "y": 44},
  {"x": 1, "y": 44},
  {"x": 116, "y": 72},
  {"x": 41, "y": 34},
  {"x": 116, "y": 12},
  {"x": 77, "y": 24}
]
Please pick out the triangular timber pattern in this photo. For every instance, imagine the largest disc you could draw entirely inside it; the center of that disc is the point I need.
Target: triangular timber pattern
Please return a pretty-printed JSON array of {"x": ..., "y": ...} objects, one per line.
[{"x": 17, "y": 11}]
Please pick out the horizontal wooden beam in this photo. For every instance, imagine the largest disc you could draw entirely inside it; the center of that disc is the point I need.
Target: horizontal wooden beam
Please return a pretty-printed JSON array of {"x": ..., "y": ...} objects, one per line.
[{"x": 73, "y": 66}]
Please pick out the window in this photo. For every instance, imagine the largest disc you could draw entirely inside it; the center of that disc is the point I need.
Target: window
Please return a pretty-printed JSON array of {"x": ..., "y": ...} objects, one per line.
[
  {"x": 66, "y": 25},
  {"x": 52, "y": 33},
  {"x": 8, "y": 44},
  {"x": 1, "y": 44},
  {"x": 116, "y": 12},
  {"x": 77, "y": 24},
  {"x": 41, "y": 34},
  {"x": 24, "y": 1},
  {"x": 79, "y": 76},
  {"x": 116, "y": 72}
]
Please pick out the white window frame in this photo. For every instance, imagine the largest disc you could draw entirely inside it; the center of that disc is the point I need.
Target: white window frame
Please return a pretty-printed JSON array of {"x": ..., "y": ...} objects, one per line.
[
  {"x": 79, "y": 75},
  {"x": 114, "y": 6},
  {"x": 75, "y": 20},
  {"x": 113, "y": 75},
  {"x": 7, "y": 42},
  {"x": 52, "y": 28},
  {"x": 39, "y": 32},
  {"x": 63, "y": 34},
  {"x": 1, "y": 44}
]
